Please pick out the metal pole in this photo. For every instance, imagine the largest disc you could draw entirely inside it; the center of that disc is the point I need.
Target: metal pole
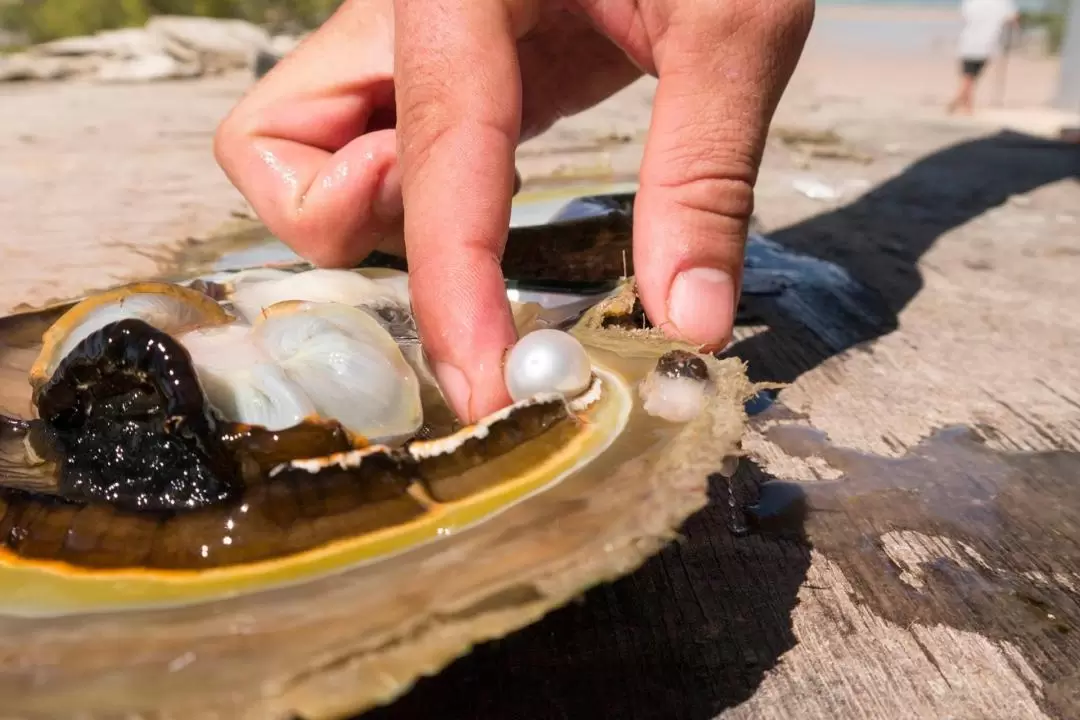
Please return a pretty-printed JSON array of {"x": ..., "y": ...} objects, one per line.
[{"x": 1068, "y": 94}]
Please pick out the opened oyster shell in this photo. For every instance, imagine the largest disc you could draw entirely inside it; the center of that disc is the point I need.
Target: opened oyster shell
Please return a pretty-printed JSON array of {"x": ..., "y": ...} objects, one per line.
[{"x": 246, "y": 497}]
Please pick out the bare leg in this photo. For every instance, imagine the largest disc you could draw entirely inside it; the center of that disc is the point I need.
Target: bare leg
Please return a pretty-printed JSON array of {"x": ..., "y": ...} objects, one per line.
[{"x": 962, "y": 103}]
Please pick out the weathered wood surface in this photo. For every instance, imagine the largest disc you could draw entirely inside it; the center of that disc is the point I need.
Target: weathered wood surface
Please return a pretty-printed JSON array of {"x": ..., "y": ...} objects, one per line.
[
  {"x": 318, "y": 632},
  {"x": 923, "y": 580},
  {"x": 935, "y": 436}
]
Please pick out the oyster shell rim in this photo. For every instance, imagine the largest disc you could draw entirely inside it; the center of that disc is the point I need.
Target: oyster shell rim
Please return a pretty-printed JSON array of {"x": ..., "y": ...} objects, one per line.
[
  {"x": 319, "y": 674},
  {"x": 62, "y": 327},
  {"x": 324, "y": 678},
  {"x": 402, "y": 538}
]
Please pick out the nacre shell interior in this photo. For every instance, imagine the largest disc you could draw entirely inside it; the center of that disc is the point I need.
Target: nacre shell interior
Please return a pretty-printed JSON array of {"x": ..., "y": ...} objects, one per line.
[{"x": 351, "y": 622}]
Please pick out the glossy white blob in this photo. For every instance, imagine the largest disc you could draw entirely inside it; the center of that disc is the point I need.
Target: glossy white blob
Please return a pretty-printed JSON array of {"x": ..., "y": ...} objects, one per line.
[
  {"x": 674, "y": 399},
  {"x": 253, "y": 295},
  {"x": 547, "y": 361},
  {"x": 226, "y": 347},
  {"x": 261, "y": 395},
  {"x": 242, "y": 381},
  {"x": 347, "y": 364},
  {"x": 164, "y": 312}
]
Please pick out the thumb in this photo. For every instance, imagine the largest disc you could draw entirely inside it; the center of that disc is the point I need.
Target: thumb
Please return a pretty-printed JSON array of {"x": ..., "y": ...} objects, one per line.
[{"x": 722, "y": 69}]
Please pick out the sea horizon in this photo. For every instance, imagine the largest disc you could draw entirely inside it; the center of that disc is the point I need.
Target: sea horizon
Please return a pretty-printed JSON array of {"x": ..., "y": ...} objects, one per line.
[
  {"x": 896, "y": 26},
  {"x": 1031, "y": 5}
]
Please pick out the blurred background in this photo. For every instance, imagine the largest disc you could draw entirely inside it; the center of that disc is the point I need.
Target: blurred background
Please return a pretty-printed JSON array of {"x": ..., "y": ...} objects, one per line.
[{"x": 109, "y": 108}]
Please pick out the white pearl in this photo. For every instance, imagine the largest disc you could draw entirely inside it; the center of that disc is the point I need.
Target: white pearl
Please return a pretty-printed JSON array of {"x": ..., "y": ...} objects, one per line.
[{"x": 547, "y": 361}]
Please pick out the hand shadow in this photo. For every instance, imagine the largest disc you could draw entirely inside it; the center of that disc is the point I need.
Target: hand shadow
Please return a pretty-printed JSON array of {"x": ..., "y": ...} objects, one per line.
[
  {"x": 840, "y": 279},
  {"x": 689, "y": 634}
]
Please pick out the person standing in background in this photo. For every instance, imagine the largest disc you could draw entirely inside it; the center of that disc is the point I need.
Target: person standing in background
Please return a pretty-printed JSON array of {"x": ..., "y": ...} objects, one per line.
[{"x": 985, "y": 22}]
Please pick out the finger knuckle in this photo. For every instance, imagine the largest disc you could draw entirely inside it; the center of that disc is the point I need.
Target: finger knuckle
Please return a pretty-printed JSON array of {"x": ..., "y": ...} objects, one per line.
[
  {"x": 749, "y": 13},
  {"x": 710, "y": 24},
  {"x": 423, "y": 104},
  {"x": 433, "y": 109},
  {"x": 716, "y": 176},
  {"x": 717, "y": 195}
]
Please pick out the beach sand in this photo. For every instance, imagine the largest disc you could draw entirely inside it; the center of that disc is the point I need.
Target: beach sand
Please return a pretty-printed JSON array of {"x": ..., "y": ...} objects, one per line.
[{"x": 101, "y": 184}]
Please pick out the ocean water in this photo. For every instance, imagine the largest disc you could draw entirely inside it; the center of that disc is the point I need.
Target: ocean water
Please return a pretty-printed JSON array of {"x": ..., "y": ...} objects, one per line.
[
  {"x": 918, "y": 3},
  {"x": 1022, "y": 4},
  {"x": 920, "y": 32},
  {"x": 899, "y": 32}
]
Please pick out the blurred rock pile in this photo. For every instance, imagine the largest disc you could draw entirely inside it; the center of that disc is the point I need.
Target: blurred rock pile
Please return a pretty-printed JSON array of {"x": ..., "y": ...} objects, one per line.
[{"x": 167, "y": 47}]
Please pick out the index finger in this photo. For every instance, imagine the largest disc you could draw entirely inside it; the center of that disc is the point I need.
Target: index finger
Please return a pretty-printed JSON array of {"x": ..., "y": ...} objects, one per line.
[{"x": 459, "y": 115}]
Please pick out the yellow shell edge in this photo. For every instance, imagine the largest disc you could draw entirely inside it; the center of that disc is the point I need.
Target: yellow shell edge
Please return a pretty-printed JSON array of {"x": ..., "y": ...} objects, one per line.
[
  {"x": 54, "y": 336},
  {"x": 44, "y": 589}
]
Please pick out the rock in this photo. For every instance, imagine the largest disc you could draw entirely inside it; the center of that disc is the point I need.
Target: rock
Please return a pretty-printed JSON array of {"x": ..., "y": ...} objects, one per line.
[
  {"x": 122, "y": 44},
  {"x": 168, "y": 47},
  {"x": 814, "y": 188},
  {"x": 219, "y": 44},
  {"x": 28, "y": 67},
  {"x": 147, "y": 68},
  {"x": 73, "y": 46}
]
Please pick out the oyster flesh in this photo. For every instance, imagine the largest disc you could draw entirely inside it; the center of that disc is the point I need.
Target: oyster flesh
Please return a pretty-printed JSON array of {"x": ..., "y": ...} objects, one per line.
[{"x": 244, "y": 496}]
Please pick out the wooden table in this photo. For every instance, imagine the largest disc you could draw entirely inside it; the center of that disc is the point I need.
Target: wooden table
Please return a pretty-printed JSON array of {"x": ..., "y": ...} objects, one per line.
[
  {"x": 930, "y": 429},
  {"x": 916, "y": 552}
]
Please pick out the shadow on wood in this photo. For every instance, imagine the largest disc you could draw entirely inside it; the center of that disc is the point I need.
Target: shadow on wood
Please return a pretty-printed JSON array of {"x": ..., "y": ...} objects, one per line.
[
  {"x": 688, "y": 635},
  {"x": 694, "y": 631},
  {"x": 877, "y": 241}
]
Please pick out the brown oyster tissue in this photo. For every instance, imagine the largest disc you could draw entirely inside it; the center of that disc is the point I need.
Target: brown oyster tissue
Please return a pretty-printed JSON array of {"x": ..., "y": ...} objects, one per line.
[{"x": 244, "y": 497}]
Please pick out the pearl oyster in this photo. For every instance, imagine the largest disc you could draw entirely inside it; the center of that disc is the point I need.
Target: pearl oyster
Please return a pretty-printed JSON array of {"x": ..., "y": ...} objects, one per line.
[{"x": 162, "y": 554}]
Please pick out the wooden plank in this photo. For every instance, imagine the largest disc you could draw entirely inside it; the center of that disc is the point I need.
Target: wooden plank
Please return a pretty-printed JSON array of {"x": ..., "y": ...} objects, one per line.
[
  {"x": 869, "y": 608},
  {"x": 912, "y": 569}
]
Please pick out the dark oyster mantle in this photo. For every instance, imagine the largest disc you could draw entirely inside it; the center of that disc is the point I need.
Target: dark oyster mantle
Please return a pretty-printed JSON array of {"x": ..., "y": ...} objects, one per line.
[
  {"x": 682, "y": 364},
  {"x": 517, "y": 525},
  {"x": 125, "y": 421},
  {"x": 134, "y": 470}
]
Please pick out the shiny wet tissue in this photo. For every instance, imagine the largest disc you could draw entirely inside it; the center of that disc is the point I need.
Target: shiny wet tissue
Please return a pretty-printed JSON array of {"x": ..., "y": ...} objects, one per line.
[{"x": 255, "y": 472}]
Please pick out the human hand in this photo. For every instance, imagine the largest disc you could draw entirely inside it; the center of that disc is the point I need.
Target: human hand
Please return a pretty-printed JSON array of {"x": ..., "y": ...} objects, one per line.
[{"x": 394, "y": 127}]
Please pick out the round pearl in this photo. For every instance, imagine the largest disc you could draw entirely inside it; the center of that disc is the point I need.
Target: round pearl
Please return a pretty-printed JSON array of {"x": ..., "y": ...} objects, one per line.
[{"x": 547, "y": 361}]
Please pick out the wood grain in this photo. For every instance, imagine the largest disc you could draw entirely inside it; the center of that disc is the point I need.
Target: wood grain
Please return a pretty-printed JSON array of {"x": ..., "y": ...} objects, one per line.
[{"x": 935, "y": 571}]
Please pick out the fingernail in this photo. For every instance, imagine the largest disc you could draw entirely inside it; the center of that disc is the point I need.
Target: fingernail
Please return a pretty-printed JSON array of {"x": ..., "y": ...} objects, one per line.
[
  {"x": 701, "y": 305},
  {"x": 455, "y": 388},
  {"x": 387, "y": 204}
]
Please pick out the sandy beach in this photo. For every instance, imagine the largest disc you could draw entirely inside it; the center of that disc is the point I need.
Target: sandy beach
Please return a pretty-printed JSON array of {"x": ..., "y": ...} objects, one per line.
[{"x": 100, "y": 184}]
